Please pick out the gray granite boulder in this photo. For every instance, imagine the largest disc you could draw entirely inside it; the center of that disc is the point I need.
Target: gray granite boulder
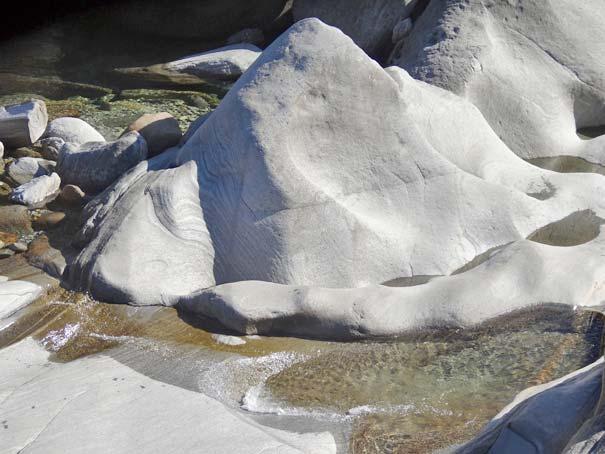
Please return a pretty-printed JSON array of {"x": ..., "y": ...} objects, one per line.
[{"x": 95, "y": 165}]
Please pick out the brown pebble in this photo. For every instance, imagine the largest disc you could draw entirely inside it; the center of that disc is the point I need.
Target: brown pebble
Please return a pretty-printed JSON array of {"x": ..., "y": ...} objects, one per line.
[
  {"x": 8, "y": 238},
  {"x": 48, "y": 220},
  {"x": 72, "y": 195}
]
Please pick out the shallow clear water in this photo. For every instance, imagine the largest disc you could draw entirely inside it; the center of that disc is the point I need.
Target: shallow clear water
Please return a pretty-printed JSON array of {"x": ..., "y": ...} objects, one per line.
[{"x": 415, "y": 394}]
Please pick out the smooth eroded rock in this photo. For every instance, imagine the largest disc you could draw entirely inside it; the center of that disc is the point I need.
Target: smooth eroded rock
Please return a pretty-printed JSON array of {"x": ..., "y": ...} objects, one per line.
[
  {"x": 72, "y": 195},
  {"x": 319, "y": 168},
  {"x": 22, "y": 124},
  {"x": 73, "y": 130},
  {"x": 95, "y": 165}
]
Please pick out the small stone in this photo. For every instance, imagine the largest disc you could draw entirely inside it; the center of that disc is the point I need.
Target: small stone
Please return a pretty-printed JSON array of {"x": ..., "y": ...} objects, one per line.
[
  {"x": 72, "y": 195},
  {"x": 37, "y": 192},
  {"x": 48, "y": 220},
  {"x": 24, "y": 152},
  {"x": 18, "y": 247},
  {"x": 22, "y": 124},
  {"x": 6, "y": 253},
  {"x": 1, "y": 150},
  {"x": 160, "y": 130},
  {"x": 51, "y": 147},
  {"x": 8, "y": 238},
  {"x": 5, "y": 189},
  {"x": 24, "y": 170}
]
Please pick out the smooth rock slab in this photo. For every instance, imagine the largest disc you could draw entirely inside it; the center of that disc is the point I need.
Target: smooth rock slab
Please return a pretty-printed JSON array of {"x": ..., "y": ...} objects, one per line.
[
  {"x": 15, "y": 295},
  {"x": 95, "y": 165},
  {"x": 224, "y": 63},
  {"x": 25, "y": 169},
  {"x": 73, "y": 130},
  {"x": 37, "y": 192},
  {"x": 22, "y": 124},
  {"x": 44, "y": 402}
]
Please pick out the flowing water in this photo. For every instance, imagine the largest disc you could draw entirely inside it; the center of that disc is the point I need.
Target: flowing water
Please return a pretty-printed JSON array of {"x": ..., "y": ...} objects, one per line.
[{"x": 414, "y": 394}]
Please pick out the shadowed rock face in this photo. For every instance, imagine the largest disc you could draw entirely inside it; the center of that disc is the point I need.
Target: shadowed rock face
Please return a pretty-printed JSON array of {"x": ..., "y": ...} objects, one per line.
[
  {"x": 536, "y": 70},
  {"x": 318, "y": 168}
]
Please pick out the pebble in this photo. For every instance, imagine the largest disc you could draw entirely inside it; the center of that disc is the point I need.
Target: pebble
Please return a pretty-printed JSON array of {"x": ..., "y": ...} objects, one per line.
[
  {"x": 6, "y": 253},
  {"x": 18, "y": 247},
  {"x": 48, "y": 220},
  {"x": 72, "y": 195}
]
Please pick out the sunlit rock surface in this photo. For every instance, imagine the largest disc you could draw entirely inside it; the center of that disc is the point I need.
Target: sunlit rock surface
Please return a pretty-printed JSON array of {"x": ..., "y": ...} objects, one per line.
[
  {"x": 42, "y": 404},
  {"x": 320, "y": 168},
  {"x": 535, "y": 69}
]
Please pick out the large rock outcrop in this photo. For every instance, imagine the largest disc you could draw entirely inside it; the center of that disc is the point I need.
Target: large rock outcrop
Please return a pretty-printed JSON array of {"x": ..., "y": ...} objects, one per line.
[
  {"x": 320, "y": 168},
  {"x": 369, "y": 23},
  {"x": 535, "y": 69}
]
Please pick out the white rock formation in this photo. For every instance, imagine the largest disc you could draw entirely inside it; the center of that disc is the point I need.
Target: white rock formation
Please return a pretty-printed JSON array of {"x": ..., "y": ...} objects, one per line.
[
  {"x": 544, "y": 418},
  {"x": 522, "y": 274},
  {"x": 25, "y": 169},
  {"x": 37, "y": 192},
  {"x": 224, "y": 63},
  {"x": 368, "y": 22},
  {"x": 43, "y": 404},
  {"x": 22, "y": 124},
  {"x": 320, "y": 168},
  {"x": 95, "y": 165},
  {"x": 1, "y": 150},
  {"x": 535, "y": 69},
  {"x": 15, "y": 295},
  {"x": 73, "y": 130}
]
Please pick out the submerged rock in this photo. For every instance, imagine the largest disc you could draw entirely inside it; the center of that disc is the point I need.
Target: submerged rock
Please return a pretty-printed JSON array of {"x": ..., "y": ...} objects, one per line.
[
  {"x": 73, "y": 130},
  {"x": 37, "y": 192},
  {"x": 160, "y": 130},
  {"x": 25, "y": 169},
  {"x": 95, "y": 165},
  {"x": 22, "y": 124}
]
